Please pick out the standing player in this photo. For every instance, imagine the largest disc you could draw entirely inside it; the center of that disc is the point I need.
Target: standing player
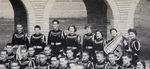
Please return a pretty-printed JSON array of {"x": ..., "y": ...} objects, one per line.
[
  {"x": 19, "y": 37},
  {"x": 56, "y": 39},
  {"x": 98, "y": 41},
  {"x": 73, "y": 40},
  {"x": 38, "y": 40},
  {"x": 134, "y": 44},
  {"x": 88, "y": 41}
]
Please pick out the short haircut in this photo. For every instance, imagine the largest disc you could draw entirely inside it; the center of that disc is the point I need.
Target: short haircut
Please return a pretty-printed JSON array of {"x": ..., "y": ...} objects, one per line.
[
  {"x": 132, "y": 30},
  {"x": 100, "y": 52},
  {"x": 87, "y": 26},
  {"x": 55, "y": 21},
  {"x": 113, "y": 29},
  {"x": 75, "y": 29},
  {"x": 100, "y": 32},
  {"x": 37, "y": 26},
  {"x": 9, "y": 44}
]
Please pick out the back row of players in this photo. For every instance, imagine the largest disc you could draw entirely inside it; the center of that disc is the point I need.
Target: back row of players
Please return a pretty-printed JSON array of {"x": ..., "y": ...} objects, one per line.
[{"x": 65, "y": 51}]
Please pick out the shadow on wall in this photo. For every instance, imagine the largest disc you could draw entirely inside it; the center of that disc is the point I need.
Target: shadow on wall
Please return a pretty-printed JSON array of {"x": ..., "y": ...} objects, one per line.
[{"x": 142, "y": 25}]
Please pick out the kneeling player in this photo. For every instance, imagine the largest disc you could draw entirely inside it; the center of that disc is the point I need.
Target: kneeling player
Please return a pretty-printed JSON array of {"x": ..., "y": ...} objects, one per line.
[
  {"x": 112, "y": 62},
  {"x": 63, "y": 63},
  {"x": 100, "y": 61}
]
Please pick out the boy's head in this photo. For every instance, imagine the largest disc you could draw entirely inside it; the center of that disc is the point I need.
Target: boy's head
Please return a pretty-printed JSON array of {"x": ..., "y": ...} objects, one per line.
[
  {"x": 54, "y": 61},
  {"x": 85, "y": 56},
  {"x": 55, "y": 24},
  {"x": 112, "y": 57},
  {"x": 127, "y": 58},
  {"x": 62, "y": 61},
  {"x": 19, "y": 28},
  {"x": 69, "y": 53},
  {"x": 88, "y": 29},
  {"x": 14, "y": 65},
  {"x": 9, "y": 47},
  {"x": 140, "y": 65},
  {"x": 47, "y": 50},
  {"x": 132, "y": 33},
  {"x": 98, "y": 34},
  {"x": 4, "y": 54},
  {"x": 72, "y": 29},
  {"x": 100, "y": 56},
  {"x": 31, "y": 51},
  {"x": 42, "y": 58},
  {"x": 24, "y": 52},
  {"x": 113, "y": 32},
  {"x": 37, "y": 29}
]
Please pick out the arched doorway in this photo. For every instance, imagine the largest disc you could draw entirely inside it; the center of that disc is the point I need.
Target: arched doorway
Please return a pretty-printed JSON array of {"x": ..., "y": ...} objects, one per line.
[
  {"x": 82, "y": 12},
  {"x": 12, "y": 13},
  {"x": 20, "y": 13},
  {"x": 142, "y": 25}
]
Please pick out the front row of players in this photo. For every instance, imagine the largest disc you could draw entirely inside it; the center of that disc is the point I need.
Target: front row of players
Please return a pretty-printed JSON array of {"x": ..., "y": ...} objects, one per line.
[{"x": 45, "y": 60}]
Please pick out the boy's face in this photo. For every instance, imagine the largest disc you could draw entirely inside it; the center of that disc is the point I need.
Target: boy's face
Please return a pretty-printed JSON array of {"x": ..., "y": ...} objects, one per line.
[
  {"x": 31, "y": 51},
  {"x": 100, "y": 57},
  {"x": 15, "y": 66},
  {"x": 126, "y": 59},
  {"x": 42, "y": 58},
  {"x": 85, "y": 56},
  {"x": 113, "y": 33},
  {"x": 19, "y": 28},
  {"x": 69, "y": 54},
  {"x": 132, "y": 35},
  {"x": 24, "y": 53},
  {"x": 55, "y": 25},
  {"x": 111, "y": 58},
  {"x": 47, "y": 50},
  {"x": 9, "y": 48},
  {"x": 37, "y": 30},
  {"x": 139, "y": 65},
  {"x": 62, "y": 62},
  {"x": 98, "y": 35},
  {"x": 3, "y": 55},
  {"x": 71, "y": 29},
  {"x": 88, "y": 30},
  {"x": 54, "y": 61}
]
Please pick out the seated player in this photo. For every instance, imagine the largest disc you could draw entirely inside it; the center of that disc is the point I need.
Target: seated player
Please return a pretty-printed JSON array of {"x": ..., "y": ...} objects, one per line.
[
  {"x": 70, "y": 57},
  {"x": 48, "y": 54},
  {"x": 98, "y": 41},
  {"x": 140, "y": 65},
  {"x": 88, "y": 41},
  {"x": 127, "y": 62},
  {"x": 3, "y": 66},
  {"x": 15, "y": 65},
  {"x": 86, "y": 62},
  {"x": 54, "y": 63},
  {"x": 100, "y": 60},
  {"x": 9, "y": 49},
  {"x": 43, "y": 64},
  {"x": 112, "y": 62},
  {"x": 24, "y": 60},
  {"x": 63, "y": 63},
  {"x": 31, "y": 53},
  {"x": 3, "y": 58},
  {"x": 38, "y": 40},
  {"x": 73, "y": 41}
]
